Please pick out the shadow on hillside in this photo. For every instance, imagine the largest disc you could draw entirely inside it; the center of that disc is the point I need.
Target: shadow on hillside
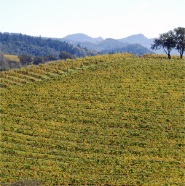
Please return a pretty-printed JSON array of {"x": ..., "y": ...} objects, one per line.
[{"x": 24, "y": 183}]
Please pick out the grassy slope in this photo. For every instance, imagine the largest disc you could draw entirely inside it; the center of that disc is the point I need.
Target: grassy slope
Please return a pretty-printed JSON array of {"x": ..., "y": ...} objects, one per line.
[
  {"x": 12, "y": 57},
  {"x": 119, "y": 122}
]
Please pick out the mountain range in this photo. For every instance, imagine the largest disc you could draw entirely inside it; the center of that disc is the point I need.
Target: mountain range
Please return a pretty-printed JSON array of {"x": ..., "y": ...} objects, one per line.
[
  {"x": 136, "y": 44},
  {"x": 133, "y": 39},
  {"x": 100, "y": 45},
  {"x": 78, "y": 45}
]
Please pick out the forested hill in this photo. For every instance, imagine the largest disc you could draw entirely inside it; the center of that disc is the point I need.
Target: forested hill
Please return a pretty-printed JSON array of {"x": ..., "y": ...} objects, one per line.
[{"x": 37, "y": 46}]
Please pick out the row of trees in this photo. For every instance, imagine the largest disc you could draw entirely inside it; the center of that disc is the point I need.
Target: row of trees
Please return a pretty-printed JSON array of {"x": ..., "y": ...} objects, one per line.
[
  {"x": 28, "y": 59},
  {"x": 24, "y": 59},
  {"x": 173, "y": 39}
]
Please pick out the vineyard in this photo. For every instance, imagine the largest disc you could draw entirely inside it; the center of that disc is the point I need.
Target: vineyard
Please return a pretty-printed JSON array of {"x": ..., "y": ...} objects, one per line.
[{"x": 104, "y": 120}]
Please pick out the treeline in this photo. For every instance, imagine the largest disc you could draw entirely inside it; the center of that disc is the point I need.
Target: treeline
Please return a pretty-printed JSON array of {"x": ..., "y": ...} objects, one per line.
[
  {"x": 18, "y": 44},
  {"x": 35, "y": 60},
  {"x": 7, "y": 63}
]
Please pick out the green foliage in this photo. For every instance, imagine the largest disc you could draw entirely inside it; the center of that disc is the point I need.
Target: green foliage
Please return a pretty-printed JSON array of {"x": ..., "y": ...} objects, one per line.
[
  {"x": 50, "y": 57},
  {"x": 37, "y": 60},
  {"x": 166, "y": 41},
  {"x": 36, "y": 46},
  {"x": 102, "y": 120},
  {"x": 25, "y": 59},
  {"x": 170, "y": 40},
  {"x": 180, "y": 40},
  {"x": 66, "y": 55}
]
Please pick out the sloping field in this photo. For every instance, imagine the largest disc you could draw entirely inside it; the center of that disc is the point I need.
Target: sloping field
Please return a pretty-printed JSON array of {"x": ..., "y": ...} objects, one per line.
[
  {"x": 113, "y": 119},
  {"x": 12, "y": 57}
]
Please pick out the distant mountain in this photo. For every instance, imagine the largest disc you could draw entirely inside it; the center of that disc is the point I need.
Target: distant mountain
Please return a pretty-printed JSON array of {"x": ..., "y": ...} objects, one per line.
[
  {"x": 144, "y": 41},
  {"x": 135, "y": 49},
  {"x": 82, "y": 38},
  {"x": 138, "y": 39},
  {"x": 108, "y": 45},
  {"x": 99, "y": 44}
]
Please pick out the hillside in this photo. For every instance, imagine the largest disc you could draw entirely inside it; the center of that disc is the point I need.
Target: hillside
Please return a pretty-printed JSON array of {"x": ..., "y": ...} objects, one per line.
[
  {"x": 37, "y": 46},
  {"x": 102, "y": 120}
]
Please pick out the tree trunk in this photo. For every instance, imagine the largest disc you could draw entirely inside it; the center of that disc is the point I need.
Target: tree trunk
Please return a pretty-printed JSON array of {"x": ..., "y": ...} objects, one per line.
[
  {"x": 181, "y": 53},
  {"x": 169, "y": 56}
]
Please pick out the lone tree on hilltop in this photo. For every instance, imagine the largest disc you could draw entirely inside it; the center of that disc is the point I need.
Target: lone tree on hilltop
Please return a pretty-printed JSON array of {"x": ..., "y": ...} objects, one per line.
[
  {"x": 172, "y": 39},
  {"x": 166, "y": 41},
  {"x": 179, "y": 34}
]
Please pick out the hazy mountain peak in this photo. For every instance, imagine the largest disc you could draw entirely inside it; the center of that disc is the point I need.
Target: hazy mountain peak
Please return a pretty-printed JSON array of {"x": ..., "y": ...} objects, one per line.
[
  {"x": 80, "y": 37},
  {"x": 134, "y": 38},
  {"x": 138, "y": 39}
]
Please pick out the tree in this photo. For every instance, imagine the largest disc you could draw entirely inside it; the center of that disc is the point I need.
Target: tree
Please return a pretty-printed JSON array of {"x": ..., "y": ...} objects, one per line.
[
  {"x": 50, "y": 57},
  {"x": 37, "y": 60},
  {"x": 66, "y": 55},
  {"x": 166, "y": 41},
  {"x": 25, "y": 59},
  {"x": 7, "y": 64},
  {"x": 3, "y": 63},
  {"x": 179, "y": 34}
]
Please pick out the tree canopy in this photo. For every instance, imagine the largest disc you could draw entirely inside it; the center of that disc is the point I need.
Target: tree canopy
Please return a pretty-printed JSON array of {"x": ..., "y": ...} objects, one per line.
[
  {"x": 171, "y": 40},
  {"x": 18, "y": 44},
  {"x": 66, "y": 55},
  {"x": 180, "y": 40}
]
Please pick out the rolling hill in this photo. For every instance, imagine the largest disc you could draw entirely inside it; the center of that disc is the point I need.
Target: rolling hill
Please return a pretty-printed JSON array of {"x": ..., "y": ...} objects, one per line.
[{"x": 102, "y": 120}]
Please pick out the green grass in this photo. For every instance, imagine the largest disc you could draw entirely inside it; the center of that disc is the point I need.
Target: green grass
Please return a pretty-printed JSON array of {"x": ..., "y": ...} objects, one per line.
[
  {"x": 118, "y": 120},
  {"x": 12, "y": 57}
]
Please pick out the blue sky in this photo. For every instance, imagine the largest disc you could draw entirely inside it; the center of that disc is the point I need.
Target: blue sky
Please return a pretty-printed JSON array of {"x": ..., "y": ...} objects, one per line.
[{"x": 105, "y": 18}]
